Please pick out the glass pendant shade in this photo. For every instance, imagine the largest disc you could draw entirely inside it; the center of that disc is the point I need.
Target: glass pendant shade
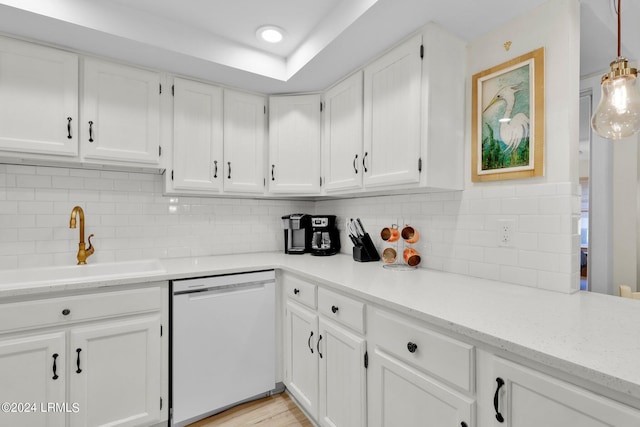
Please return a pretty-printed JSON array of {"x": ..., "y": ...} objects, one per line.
[{"x": 618, "y": 113}]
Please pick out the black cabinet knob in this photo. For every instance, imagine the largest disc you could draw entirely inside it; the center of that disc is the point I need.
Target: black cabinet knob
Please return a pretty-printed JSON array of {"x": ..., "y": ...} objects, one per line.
[
  {"x": 296, "y": 291},
  {"x": 66, "y": 312},
  {"x": 334, "y": 309},
  {"x": 412, "y": 347}
]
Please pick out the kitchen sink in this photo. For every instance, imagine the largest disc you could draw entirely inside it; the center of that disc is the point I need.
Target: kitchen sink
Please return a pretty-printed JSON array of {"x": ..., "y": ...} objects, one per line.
[{"x": 80, "y": 273}]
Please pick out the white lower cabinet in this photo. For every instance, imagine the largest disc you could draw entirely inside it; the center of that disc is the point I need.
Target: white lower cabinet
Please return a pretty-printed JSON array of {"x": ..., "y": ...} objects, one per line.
[
  {"x": 324, "y": 361},
  {"x": 343, "y": 376},
  {"x": 114, "y": 374},
  {"x": 517, "y": 396},
  {"x": 301, "y": 360},
  {"x": 83, "y": 360},
  {"x": 400, "y": 395},
  {"x": 32, "y": 372},
  {"x": 417, "y": 377}
]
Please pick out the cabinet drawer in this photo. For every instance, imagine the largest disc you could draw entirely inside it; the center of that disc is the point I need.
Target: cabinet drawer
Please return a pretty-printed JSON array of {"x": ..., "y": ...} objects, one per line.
[
  {"x": 445, "y": 358},
  {"x": 300, "y": 291},
  {"x": 342, "y": 309},
  {"x": 55, "y": 311}
]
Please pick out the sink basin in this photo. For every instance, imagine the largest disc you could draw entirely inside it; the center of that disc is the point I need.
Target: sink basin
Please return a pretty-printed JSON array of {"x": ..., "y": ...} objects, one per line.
[{"x": 80, "y": 273}]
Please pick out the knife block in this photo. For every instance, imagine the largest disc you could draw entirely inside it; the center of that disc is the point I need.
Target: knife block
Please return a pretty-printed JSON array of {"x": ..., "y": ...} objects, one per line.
[{"x": 364, "y": 250}]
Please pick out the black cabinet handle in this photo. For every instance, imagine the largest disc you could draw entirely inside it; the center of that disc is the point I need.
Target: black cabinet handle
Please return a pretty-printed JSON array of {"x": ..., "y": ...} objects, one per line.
[
  {"x": 412, "y": 347},
  {"x": 463, "y": 424},
  {"x": 273, "y": 178},
  {"x": 334, "y": 309},
  {"x": 318, "y": 346},
  {"x": 55, "y": 356},
  {"x": 215, "y": 168},
  {"x": 296, "y": 291},
  {"x": 78, "y": 350},
  {"x": 66, "y": 312},
  {"x": 364, "y": 161},
  {"x": 69, "y": 128},
  {"x": 355, "y": 159},
  {"x": 90, "y": 131},
  {"x": 229, "y": 176},
  {"x": 499, "y": 416},
  {"x": 309, "y": 342}
]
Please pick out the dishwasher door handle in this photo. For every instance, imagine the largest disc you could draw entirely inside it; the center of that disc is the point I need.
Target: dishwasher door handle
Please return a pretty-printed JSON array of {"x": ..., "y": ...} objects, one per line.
[{"x": 223, "y": 291}]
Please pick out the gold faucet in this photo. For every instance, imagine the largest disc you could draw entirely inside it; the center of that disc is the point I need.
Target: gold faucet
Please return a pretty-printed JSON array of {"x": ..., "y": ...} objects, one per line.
[{"x": 83, "y": 253}]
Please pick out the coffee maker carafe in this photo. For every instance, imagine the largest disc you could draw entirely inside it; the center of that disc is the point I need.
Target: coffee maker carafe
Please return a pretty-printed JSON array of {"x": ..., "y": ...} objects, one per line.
[
  {"x": 297, "y": 233},
  {"x": 325, "y": 238}
]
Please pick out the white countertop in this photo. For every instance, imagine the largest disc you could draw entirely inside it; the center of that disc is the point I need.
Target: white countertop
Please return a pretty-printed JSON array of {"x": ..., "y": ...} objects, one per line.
[{"x": 591, "y": 336}]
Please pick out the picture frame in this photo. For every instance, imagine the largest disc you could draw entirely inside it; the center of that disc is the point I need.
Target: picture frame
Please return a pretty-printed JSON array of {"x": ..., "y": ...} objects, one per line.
[{"x": 507, "y": 129}]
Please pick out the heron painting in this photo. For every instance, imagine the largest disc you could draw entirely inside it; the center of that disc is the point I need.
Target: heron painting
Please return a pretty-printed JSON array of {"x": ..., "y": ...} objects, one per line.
[
  {"x": 505, "y": 128},
  {"x": 505, "y": 124}
]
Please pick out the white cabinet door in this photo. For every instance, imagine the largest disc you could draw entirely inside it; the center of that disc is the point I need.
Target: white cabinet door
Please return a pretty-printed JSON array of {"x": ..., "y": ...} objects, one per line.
[
  {"x": 197, "y": 136},
  {"x": 392, "y": 116},
  {"x": 120, "y": 114},
  {"x": 342, "y": 137},
  {"x": 294, "y": 144},
  {"x": 39, "y": 99},
  {"x": 343, "y": 377},
  {"x": 115, "y": 372},
  {"x": 32, "y": 371},
  {"x": 244, "y": 142},
  {"x": 301, "y": 356},
  {"x": 400, "y": 395},
  {"x": 531, "y": 399}
]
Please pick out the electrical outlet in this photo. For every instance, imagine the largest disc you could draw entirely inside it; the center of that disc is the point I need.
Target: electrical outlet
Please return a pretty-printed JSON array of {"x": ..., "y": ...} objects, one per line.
[{"x": 506, "y": 228}]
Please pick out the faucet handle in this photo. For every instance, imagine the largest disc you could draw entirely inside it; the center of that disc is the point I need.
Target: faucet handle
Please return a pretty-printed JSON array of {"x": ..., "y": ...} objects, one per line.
[{"x": 90, "y": 249}]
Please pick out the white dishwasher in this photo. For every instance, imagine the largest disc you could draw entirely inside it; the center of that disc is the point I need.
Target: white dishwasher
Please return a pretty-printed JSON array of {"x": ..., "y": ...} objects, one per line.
[{"x": 222, "y": 342}]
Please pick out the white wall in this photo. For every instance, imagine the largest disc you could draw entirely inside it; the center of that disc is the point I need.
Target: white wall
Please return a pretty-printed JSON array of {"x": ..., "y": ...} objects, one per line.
[
  {"x": 132, "y": 220},
  {"x": 129, "y": 217},
  {"x": 460, "y": 229}
]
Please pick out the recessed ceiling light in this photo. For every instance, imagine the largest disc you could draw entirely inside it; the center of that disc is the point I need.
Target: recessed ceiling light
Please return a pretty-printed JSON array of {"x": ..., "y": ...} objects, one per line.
[{"x": 270, "y": 34}]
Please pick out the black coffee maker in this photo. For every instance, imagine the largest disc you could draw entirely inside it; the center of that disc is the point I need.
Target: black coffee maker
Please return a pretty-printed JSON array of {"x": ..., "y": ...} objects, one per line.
[
  {"x": 325, "y": 237},
  {"x": 297, "y": 233}
]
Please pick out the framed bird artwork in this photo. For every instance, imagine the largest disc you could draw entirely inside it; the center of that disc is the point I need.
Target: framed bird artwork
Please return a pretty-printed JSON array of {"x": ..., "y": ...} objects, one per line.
[{"x": 508, "y": 120}]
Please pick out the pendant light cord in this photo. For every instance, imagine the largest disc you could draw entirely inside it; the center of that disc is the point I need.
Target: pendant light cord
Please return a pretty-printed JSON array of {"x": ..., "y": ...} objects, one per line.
[{"x": 619, "y": 13}]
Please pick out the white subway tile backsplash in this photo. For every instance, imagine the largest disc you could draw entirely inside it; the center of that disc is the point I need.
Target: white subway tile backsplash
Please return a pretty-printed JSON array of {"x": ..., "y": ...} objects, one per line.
[
  {"x": 8, "y": 207},
  {"x": 499, "y": 192},
  {"x": 33, "y": 181},
  {"x": 132, "y": 219},
  {"x": 520, "y": 205},
  {"x": 519, "y": 275},
  {"x": 484, "y": 270}
]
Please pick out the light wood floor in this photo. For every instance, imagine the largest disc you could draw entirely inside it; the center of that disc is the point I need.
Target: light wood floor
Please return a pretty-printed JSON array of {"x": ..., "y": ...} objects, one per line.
[{"x": 273, "y": 411}]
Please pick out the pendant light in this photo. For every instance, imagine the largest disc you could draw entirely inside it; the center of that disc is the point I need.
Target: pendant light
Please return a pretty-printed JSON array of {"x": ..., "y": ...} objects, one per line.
[{"x": 618, "y": 113}]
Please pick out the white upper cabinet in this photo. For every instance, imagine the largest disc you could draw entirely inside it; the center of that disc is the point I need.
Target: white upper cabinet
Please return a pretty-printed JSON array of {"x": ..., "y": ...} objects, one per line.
[
  {"x": 342, "y": 137},
  {"x": 120, "y": 114},
  {"x": 392, "y": 116},
  {"x": 197, "y": 137},
  {"x": 244, "y": 142},
  {"x": 294, "y": 144},
  {"x": 39, "y": 99},
  {"x": 443, "y": 109}
]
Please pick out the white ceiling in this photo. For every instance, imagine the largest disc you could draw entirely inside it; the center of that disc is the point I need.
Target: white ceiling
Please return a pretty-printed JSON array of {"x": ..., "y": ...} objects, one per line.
[{"x": 326, "y": 39}]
